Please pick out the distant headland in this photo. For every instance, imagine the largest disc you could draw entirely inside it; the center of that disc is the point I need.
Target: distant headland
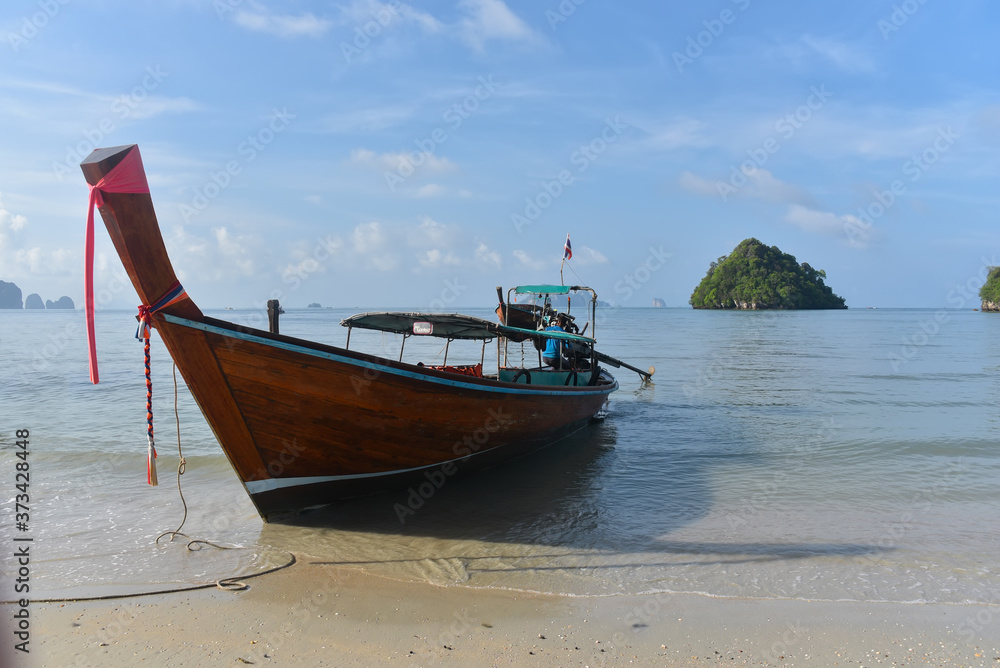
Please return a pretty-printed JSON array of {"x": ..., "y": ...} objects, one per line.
[
  {"x": 990, "y": 292},
  {"x": 756, "y": 276},
  {"x": 10, "y": 298}
]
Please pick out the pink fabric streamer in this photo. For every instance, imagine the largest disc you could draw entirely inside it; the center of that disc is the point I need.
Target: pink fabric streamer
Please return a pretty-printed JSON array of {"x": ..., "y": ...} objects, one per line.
[{"x": 127, "y": 177}]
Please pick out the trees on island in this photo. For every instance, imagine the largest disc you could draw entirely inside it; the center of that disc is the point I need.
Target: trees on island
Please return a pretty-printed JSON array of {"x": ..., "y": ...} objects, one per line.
[
  {"x": 990, "y": 292},
  {"x": 756, "y": 276}
]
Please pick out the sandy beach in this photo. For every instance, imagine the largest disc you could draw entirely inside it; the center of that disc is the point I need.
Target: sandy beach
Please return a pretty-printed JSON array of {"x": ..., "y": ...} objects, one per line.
[{"x": 315, "y": 614}]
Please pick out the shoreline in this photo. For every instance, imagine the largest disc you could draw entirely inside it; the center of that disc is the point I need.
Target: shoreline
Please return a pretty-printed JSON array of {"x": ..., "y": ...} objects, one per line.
[{"x": 316, "y": 614}]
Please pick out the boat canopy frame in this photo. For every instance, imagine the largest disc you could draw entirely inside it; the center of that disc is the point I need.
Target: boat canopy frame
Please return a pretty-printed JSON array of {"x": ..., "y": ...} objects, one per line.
[{"x": 452, "y": 326}]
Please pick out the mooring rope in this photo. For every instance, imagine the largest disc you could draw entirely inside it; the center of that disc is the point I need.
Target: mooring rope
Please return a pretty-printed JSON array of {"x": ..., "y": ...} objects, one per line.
[
  {"x": 181, "y": 468},
  {"x": 221, "y": 584},
  {"x": 150, "y": 448}
]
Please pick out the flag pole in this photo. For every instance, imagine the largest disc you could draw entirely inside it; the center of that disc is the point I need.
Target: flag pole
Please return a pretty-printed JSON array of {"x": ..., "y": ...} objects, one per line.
[{"x": 567, "y": 253}]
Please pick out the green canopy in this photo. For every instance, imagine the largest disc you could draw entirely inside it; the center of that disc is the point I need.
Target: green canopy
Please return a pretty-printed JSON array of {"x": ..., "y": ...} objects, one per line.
[{"x": 542, "y": 289}]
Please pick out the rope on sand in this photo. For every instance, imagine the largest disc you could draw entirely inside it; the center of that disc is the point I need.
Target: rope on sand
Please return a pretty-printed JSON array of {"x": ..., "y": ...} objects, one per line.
[
  {"x": 225, "y": 584},
  {"x": 235, "y": 583},
  {"x": 181, "y": 468}
]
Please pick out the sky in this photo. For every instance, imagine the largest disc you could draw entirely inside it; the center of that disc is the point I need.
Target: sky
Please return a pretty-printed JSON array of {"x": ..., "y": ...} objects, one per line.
[{"x": 387, "y": 154}]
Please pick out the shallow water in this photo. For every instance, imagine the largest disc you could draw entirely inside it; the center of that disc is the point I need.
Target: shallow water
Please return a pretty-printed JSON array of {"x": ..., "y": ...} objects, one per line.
[{"x": 842, "y": 455}]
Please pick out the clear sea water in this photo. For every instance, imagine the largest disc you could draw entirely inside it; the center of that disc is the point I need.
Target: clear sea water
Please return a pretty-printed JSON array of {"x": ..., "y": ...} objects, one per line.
[{"x": 838, "y": 455}]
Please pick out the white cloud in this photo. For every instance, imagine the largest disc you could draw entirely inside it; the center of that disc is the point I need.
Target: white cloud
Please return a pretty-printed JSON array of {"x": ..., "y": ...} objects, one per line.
[
  {"x": 847, "y": 226},
  {"x": 17, "y": 260},
  {"x": 430, "y": 232},
  {"x": 236, "y": 248},
  {"x": 430, "y": 190},
  {"x": 368, "y": 119},
  {"x": 10, "y": 221},
  {"x": 491, "y": 19},
  {"x": 370, "y": 242},
  {"x": 678, "y": 133},
  {"x": 759, "y": 184},
  {"x": 585, "y": 256},
  {"x": 368, "y": 238},
  {"x": 217, "y": 258},
  {"x": 309, "y": 258},
  {"x": 436, "y": 258},
  {"x": 527, "y": 262},
  {"x": 155, "y": 106},
  {"x": 395, "y": 161},
  {"x": 259, "y": 19},
  {"x": 362, "y": 12},
  {"x": 762, "y": 184},
  {"x": 850, "y": 57},
  {"x": 697, "y": 185},
  {"x": 488, "y": 258}
]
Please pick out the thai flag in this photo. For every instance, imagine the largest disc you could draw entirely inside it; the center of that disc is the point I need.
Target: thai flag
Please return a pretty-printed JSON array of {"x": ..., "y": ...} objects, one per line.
[{"x": 567, "y": 250}]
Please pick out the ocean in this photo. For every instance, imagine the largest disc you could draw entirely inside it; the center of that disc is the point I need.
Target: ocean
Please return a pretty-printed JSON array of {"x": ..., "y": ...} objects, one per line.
[{"x": 829, "y": 455}]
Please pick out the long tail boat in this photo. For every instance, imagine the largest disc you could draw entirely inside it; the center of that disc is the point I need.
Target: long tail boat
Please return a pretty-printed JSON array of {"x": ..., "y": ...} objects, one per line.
[{"x": 305, "y": 424}]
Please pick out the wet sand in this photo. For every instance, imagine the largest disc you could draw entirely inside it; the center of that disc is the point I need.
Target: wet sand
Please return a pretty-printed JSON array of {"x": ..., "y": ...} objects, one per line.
[{"x": 312, "y": 614}]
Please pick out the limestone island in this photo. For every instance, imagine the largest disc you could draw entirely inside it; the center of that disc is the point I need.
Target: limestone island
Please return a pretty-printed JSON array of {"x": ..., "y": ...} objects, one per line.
[
  {"x": 10, "y": 297},
  {"x": 755, "y": 276},
  {"x": 990, "y": 292},
  {"x": 62, "y": 302}
]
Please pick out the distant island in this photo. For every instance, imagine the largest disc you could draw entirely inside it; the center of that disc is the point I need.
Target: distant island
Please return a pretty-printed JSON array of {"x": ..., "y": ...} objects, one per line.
[
  {"x": 990, "y": 292},
  {"x": 62, "y": 302},
  {"x": 314, "y": 305},
  {"x": 659, "y": 303},
  {"x": 756, "y": 276},
  {"x": 10, "y": 298},
  {"x": 10, "y": 295}
]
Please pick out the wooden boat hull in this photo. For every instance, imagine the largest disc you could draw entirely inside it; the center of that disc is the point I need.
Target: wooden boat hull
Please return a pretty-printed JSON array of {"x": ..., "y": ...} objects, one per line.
[{"x": 304, "y": 424}]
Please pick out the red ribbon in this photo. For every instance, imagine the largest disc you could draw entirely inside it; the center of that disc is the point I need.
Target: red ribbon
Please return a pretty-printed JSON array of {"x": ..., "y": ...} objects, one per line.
[{"x": 127, "y": 177}]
